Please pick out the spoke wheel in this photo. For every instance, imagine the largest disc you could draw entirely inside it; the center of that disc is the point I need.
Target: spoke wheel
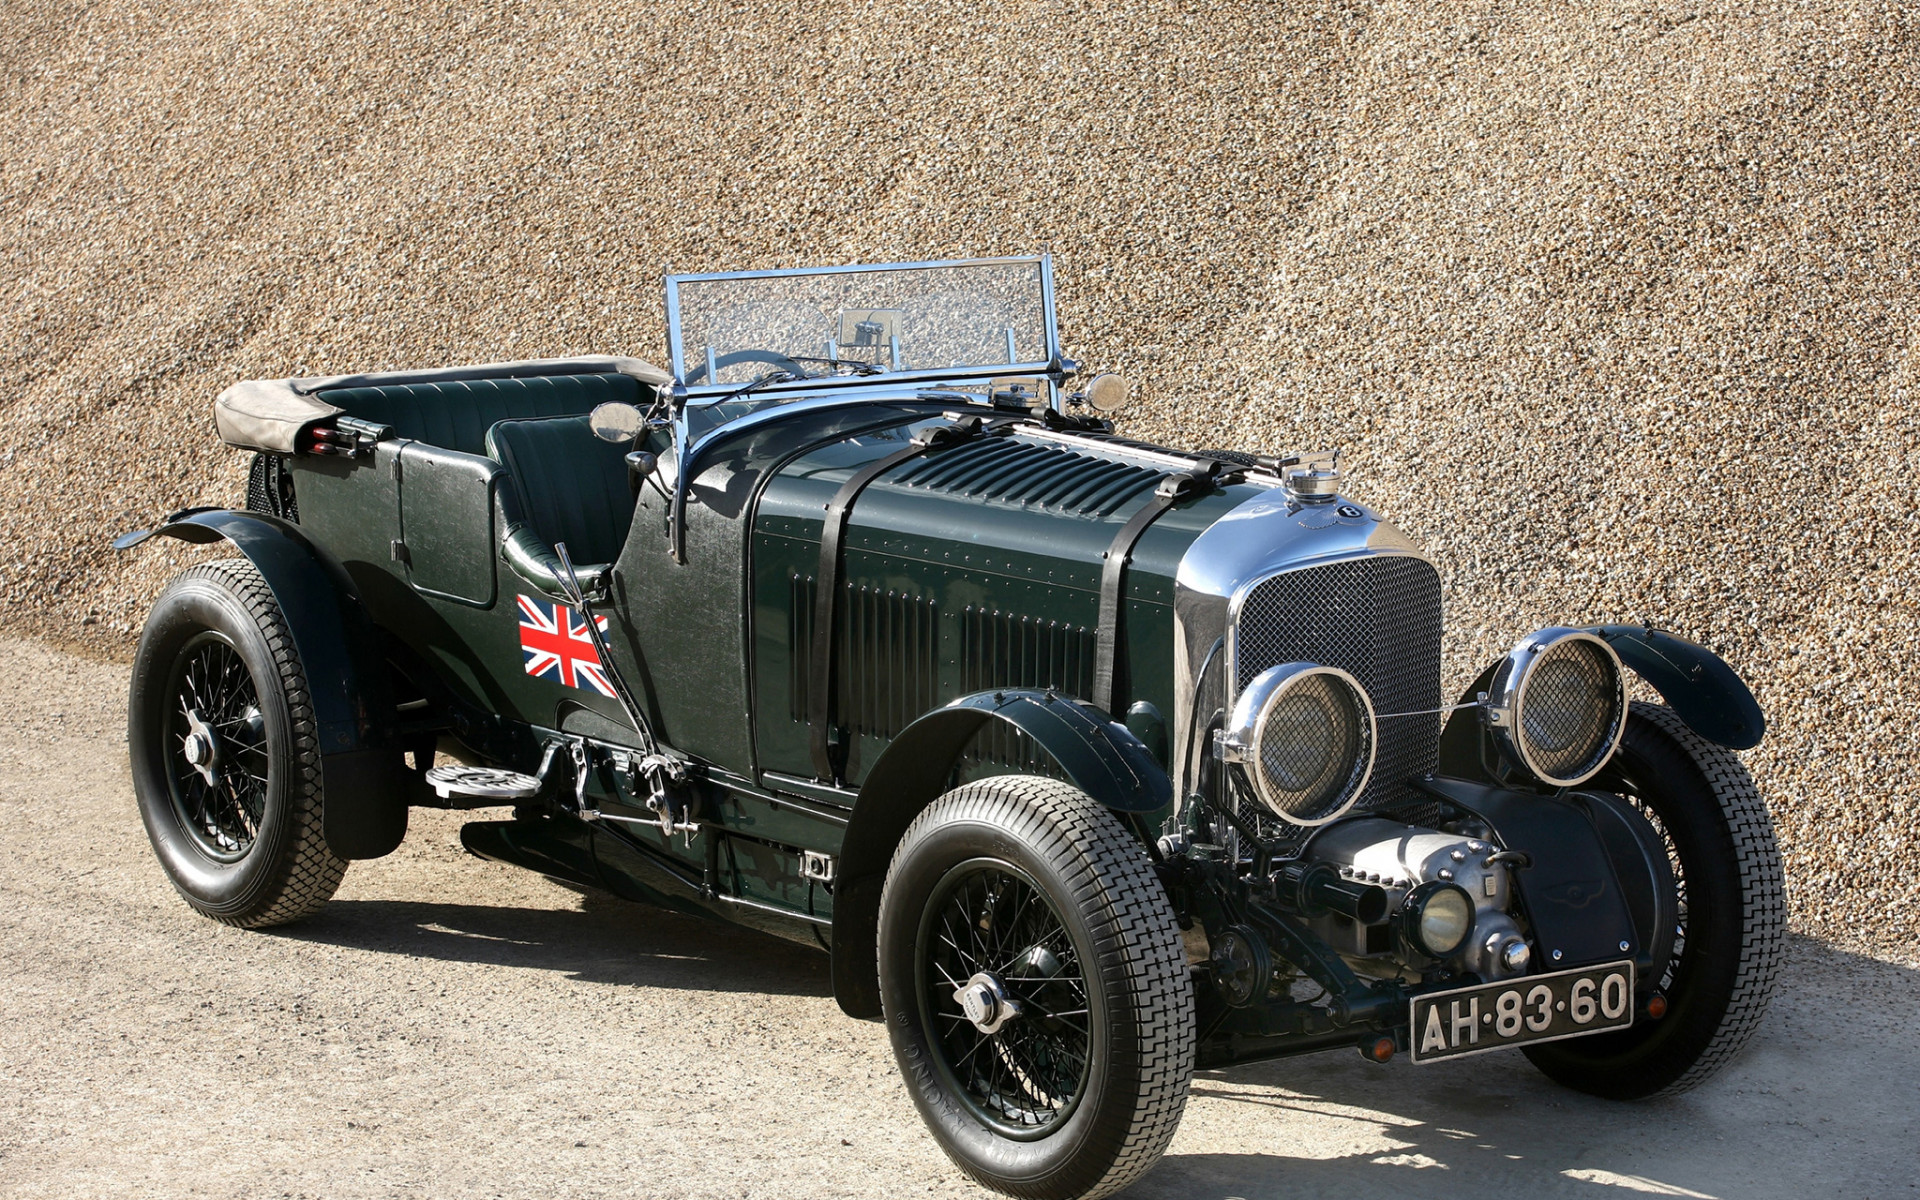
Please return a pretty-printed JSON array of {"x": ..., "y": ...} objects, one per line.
[
  {"x": 222, "y": 743},
  {"x": 1641, "y": 795},
  {"x": 217, "y": 748},
  {"x": 1003, "y": 989},
  {"x": 1035, "y": 989}
]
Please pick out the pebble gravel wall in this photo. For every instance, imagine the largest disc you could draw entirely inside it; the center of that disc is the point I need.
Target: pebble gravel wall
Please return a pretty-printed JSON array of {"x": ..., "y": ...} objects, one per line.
[{"x": 1612, "y": 305}]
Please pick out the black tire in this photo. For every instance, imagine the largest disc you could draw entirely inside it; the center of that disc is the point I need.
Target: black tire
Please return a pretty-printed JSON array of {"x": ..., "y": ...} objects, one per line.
[
  {"x": 240, "y": 839},
  {"x": 1049, "y": 1108},
  {"x": 1720, "y": 840}
]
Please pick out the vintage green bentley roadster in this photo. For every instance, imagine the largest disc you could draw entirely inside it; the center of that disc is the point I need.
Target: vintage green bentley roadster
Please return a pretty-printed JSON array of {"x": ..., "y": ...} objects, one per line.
[{"x": 1089, "y": 761}]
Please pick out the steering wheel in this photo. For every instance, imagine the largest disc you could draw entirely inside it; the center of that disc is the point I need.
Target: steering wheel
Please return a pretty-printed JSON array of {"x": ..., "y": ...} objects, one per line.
[{"x": 735, "y": 357}]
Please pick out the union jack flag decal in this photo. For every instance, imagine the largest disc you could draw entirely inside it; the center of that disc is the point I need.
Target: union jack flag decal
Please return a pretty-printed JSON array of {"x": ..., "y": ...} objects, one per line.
[{"x": 558, "y": 647}]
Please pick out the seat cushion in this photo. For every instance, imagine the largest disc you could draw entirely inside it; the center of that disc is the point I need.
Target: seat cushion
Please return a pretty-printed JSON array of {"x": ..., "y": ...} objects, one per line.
[
  {"x": 456, "y": 415},
  {"x": 572, "y": 487}
]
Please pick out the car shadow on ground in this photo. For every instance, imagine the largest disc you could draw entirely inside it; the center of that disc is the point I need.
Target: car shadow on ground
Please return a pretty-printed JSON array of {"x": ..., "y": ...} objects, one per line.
[
  {"x": 1413, "y": 1144},
  {"x": 1821, "y": 1102},
  {"x": 605, "y": 940}
]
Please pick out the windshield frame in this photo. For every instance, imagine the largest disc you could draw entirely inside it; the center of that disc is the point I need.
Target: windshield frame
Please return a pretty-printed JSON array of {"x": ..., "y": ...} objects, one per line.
[{"x": 700, "y": 395}]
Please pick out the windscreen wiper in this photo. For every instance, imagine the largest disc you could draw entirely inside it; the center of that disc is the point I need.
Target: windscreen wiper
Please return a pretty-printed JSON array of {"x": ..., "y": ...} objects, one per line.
[
  {"x": 855, "y": 365},
  {"x": 768, "y": 380}
]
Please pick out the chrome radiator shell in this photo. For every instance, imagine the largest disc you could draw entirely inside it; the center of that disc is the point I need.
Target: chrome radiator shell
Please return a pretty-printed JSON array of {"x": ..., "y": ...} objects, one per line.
[
  {"x": 1334, "y": 582},
  {"x": 1377, "y": 617}
]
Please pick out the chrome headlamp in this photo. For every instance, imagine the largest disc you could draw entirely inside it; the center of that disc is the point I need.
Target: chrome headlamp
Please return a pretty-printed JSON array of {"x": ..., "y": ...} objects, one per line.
[
  {"x": 1559, "y": 706},
  {"x": 1304, "y": 736}
]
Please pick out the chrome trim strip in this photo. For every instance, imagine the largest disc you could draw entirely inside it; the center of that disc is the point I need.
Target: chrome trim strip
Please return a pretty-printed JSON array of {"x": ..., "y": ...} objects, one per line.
[
  {"x": 762, "y": 906},
  {"x": 704, "y": 396},
  {"x": 1005, "y": 260},
  {"x": 807, "y": 796},
  {"x": 1053, "y": 327},
  {"x": 1171, "y": 459},
  {"x": 674, "y": 363}
]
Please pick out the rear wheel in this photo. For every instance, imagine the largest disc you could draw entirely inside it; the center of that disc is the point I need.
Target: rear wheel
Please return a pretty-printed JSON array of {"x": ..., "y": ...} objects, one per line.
[
  {"x": 221, "y": 736},
  {"x": 1035, "y": 989},
  {"x": 1732, "y": 926}
]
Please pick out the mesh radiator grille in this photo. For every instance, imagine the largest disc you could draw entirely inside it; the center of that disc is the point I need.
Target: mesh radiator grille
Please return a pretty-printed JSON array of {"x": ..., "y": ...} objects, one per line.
[{"x": 1377, "y": 619}]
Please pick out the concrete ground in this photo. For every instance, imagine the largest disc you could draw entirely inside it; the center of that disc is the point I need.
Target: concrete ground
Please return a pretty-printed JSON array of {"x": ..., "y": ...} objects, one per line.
[{"x": 453, "y": 1028}]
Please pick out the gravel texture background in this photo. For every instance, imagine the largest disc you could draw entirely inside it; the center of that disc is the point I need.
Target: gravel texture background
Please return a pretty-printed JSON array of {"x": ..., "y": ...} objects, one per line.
[
  {"x": 1612, "y": 305},
  {"x": 448, "y": 1028}
]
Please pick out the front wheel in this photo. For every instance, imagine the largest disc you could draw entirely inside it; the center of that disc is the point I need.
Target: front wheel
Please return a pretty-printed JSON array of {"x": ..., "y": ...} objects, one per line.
[
  {"x": 1732, "y": 916},
  {"x": 222, "y": 742},
  {"x": 1035, "y": 989}
]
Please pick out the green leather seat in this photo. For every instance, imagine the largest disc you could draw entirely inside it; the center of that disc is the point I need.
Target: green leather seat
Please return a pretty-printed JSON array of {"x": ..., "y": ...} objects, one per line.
[
  {"x": 456, "y": 415},
  {"x": 563, "y": 485}
]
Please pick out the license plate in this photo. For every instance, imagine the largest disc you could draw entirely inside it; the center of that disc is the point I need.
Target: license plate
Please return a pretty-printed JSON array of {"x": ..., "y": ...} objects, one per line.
[{"x": 1519, "y": 1012}]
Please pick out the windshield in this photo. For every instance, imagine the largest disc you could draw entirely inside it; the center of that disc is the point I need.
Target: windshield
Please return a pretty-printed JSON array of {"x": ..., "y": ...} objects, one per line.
[{"x": 969, "y": 318}]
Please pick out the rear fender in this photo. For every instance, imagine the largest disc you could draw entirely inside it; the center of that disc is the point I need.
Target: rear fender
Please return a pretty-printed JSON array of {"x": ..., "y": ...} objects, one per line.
[
  {"x": 363, "y": 779},
  {"x": 1097, "y": 754}
]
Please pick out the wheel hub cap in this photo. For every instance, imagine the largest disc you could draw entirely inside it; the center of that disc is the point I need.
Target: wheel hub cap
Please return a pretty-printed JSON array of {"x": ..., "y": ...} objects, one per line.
[
  {"x": 201, "y": 747},
  {"x": 985, "y": 1002}
]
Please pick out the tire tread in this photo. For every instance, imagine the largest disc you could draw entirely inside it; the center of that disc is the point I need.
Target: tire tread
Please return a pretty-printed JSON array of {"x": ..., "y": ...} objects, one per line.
[
  {"x": 1114, "y": 883},
  {"x": 1763, "y": 940},
  {"x": 312, "y": 871}
]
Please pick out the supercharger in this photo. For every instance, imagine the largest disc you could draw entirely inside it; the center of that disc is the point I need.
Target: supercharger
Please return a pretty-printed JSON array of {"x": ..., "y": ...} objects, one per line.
[{"x": 1403, "y": 860}]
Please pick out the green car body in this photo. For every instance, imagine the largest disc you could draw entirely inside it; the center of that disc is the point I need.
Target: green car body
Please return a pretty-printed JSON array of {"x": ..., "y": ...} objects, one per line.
[
  {"x": 933, "y": 615},
  {"x": 828, "y": 596}
]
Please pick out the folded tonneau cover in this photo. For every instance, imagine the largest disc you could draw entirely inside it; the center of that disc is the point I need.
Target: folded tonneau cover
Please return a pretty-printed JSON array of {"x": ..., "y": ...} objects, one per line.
[{"x": 268, "y": 414}]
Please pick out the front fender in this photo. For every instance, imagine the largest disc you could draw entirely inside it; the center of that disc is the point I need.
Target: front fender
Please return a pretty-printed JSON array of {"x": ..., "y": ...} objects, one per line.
[
  {"x": 1695, "y": 682},
  {"x": 1097, "y": 754},
  {"x": 362, "y": 776}
]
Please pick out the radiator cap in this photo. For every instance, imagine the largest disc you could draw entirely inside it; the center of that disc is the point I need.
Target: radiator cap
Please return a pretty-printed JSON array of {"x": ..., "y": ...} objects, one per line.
[{"x": 1312, "y": 477}]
